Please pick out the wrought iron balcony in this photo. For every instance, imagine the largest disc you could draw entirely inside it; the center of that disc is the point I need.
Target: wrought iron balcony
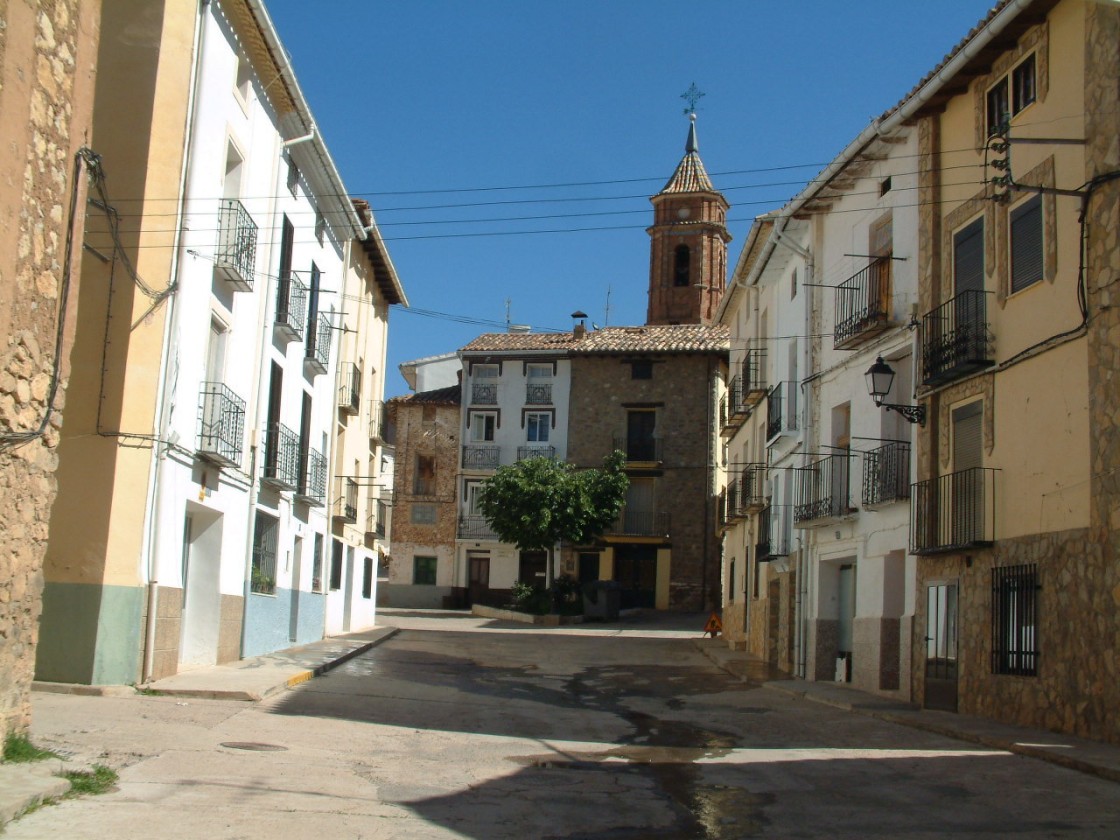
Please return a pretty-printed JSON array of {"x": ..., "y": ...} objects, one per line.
[
  {"x": 377, "y": 420},
  {"x": 733, "y": 410},
  {"x": 536, "y": 451},
  {"x": 291, "y": 308},
  {"x": 886, "y": 474},
  {"x": 475, "y": 527},
  {"x": 823, "y": 490},
  {"x": 751, "y": 492},
  {"x": 317, "y": 356},
  {"x": 956, "y": 339},
  {"x": 377, "y": 519},
  {"x": 344, "y": 507},
  {"x": 236, "y": 255},
  {"x": 484, "y": 393},
  {"x": 770, "y": 545},
  {"x": 312, "y": 487},
  {"x": 636, "y": 522},
  {"x": 953, "y": 512},
  {"x": 280, "y": 467},
  {"x": 349, "y": 388},
  {"x": 481, "y": 456},
  {"x": 640, "y": 450},
  {"x": 221, "y": 424},
  {"x": 752, "y": 374},
  {"x": 863, "y": 305},
  {"x": 781, "y": 410},
  {"x": 538, "y": 393},
  {"x": 721, "y": 509}
]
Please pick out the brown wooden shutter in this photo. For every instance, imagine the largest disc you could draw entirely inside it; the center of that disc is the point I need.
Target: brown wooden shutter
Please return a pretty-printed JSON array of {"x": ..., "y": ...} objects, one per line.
[{"x": 1026, "y": 244}]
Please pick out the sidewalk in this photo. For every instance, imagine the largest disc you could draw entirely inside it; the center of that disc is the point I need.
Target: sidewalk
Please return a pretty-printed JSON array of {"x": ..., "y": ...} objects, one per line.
[
  {"x": 1091, "y": 757},
  {"x": 23, "y": 786}
]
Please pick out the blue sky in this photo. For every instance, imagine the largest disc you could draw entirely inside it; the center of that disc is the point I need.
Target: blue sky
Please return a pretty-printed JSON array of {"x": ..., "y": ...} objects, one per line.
[{"x": 432, "y": 109}]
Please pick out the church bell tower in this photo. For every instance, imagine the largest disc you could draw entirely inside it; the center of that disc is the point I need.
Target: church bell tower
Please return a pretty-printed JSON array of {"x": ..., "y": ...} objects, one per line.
[{"x": 688, "y": 244}]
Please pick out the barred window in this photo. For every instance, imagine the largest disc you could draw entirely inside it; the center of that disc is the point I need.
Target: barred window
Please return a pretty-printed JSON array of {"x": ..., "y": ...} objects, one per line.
[
  {"x": 263, "y": 579},
  {"x": 1015, "y": 620}
]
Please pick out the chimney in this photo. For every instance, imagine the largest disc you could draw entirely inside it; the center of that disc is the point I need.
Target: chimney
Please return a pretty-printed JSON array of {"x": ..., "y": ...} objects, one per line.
[{"x": 579, "y": 330}]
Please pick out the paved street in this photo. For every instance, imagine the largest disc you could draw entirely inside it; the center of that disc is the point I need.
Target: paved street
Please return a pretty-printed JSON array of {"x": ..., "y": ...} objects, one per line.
[{"x": 467, "y": 728}]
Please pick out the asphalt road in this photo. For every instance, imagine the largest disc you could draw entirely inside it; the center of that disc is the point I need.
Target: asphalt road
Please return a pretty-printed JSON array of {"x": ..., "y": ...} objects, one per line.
[{"x": 462, "y": 728}]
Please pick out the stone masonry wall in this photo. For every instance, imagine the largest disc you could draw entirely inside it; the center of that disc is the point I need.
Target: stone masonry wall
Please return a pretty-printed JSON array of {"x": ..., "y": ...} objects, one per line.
[{"x": 46, "y": 52}]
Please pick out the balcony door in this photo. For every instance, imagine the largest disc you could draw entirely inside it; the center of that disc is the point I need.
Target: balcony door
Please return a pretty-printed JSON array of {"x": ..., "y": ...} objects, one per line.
[
  {"x": 478, "y": 583},
  {"x": 640, "y": 427},
  {"x": 941, "y": 647},
  {"x": 967, "y": 480},
  {"x": 968, "y": 288}
]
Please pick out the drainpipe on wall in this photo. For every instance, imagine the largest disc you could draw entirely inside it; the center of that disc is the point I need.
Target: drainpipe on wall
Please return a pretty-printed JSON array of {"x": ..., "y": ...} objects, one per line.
[{"x": 151, "y": 531}]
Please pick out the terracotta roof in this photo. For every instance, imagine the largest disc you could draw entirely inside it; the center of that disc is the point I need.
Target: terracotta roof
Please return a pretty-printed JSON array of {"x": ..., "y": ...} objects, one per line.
[
  {"x": 690, "y": 177},
  {"x": 452, "y": 395},
  {"x": 491, "y": 342},
  {"x": 668, "y": 338}
]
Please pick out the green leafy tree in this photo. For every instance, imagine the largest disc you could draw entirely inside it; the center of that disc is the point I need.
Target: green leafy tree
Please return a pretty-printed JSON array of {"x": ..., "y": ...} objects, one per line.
[{"x": 539, "y": 502}]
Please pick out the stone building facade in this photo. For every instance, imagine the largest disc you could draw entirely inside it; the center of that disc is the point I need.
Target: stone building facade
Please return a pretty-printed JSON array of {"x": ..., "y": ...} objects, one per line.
[{"x": 47, "y": 58}]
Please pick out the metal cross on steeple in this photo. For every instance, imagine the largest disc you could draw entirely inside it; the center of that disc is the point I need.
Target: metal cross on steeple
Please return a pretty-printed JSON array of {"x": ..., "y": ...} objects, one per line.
[{"x": 692, "y": 96}]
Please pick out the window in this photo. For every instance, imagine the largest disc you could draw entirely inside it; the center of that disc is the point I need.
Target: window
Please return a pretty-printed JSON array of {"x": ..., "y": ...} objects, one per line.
[
  {"x": 265, "y": 535},
  {"x": 999, "y": 110},
  {"x": 1014, "y": 620},
  {"x": 968, "y": 257},
  {"x": 731, "y": 582},
  {"x": 336, "y": 565},
  {"x": 424, "y": 480},
  {"x": 293, "y": 175},
  {"x": 313, "y": 311},
  {"x": 1011, "y": 94},
  {"x": 1026, "y": 244},
  {"x": 424, "y": 571},
  {"x": 423, "y": 515},
  {"x": 793, "y": 285},
  {"x": 244, "y": 81},
  {"x": 537, "y": 427},
  {"x": 682, "y": 258},
  {"x": 1023, "y": 89},
  {"x": 367, "y": 578},
  {"x": 482, "y": 426},
  {"x": 320, "y": 226},
  {"x": 485, "y": 372},
  {"x": 539, "y": 371},
  {"x": 885, "y": 186},
  {"x": 231, "y": 183},
  {"x": 641, "y": 369},
  {"x": 317, "y": 565},
  {"x": 473, "y": 489},
  {"x": 641, "y": 445}
]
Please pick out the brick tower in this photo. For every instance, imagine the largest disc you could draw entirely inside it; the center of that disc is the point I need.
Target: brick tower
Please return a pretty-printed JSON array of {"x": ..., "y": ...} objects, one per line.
[{"x": 688, "y": 244}]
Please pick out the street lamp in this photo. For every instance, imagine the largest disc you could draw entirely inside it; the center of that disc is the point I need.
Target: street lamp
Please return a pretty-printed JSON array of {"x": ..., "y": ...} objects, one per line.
[{"x": 880, "y": 377}]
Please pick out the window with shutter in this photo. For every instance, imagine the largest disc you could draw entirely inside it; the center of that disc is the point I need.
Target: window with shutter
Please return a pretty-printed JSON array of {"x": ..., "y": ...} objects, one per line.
[
  {"x": 1026, "y": 244},
  {"x": 968, "y": 257}
]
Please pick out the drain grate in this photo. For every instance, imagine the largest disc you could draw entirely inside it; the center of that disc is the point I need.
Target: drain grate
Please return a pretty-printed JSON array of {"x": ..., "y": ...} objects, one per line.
[{"x": 253, "y": 745}]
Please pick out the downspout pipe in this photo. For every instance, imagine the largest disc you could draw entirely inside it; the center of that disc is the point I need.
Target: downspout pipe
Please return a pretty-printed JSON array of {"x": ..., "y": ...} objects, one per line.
[
  {"x": 295, "y": 141},
  {"x": 152, "y": 514}
]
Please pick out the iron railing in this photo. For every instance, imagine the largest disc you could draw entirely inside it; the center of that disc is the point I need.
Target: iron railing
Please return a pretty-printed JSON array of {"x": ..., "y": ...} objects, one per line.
[
  {"x": 646, "y": 450},
  {"x": 484, "y": 393},
  {"x": 345, "y": 506},
  {"x": 751, "y": 489},
  {"x": 781, "y": 409},
  {"x": 953, "y": 512},
  {"x": 221, "y": 424},
  {"x": 350, "y": 388},
  {"x": 733, "y": 409},
  {"x": 752, "y": 372},
  {"x": 863, "y": 304},
  {"x": 312, "y": 487},
  {"x": 1015, "y": 620},
  {"x": 956, "y": 339},
  {"x": 318, "y": 354},
  {"x": 377, "y": 518},
  {"x": 236, "y": 255},
  {"x": 280, "y": 467},
  {"x": 376, "y": 420},
  {"x": 823, "y": 490},
  {"x": 475, "y": 527},
  {"x": 536, "y": 451},
  {"x": 637, "y": 522},
  {"x": 538, "y": 393},
  {"x": 291, "y": 307},
  {"x": 772, "y": 542},
  {"x": 886, "y": 474},
  {"x": 479, "y": 457}
]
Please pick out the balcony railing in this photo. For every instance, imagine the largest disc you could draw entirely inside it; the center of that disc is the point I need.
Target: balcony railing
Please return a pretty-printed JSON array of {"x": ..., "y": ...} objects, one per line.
[
  {"x": 538, "y": 393},
  {"x": 280, "y": 468},
  {"x": 781, "y": 410},
  {"x": 953, "y": 512},
  {"x": 475, "y": 527},
  {"x": 236, "y": 256},
  {"x": 823, "y": 490},
  {"x": 733, "y": 410},
  {"x": 750, "y": 490},
  {"x": 636, "y": 522},
  {"x": 481, "y": 457},
  {"x": 641, "y": 450},
  {"x": 291, "y": 308},
  {"x": 886, "y": 474},
  {"x": 317, "y": 356},
  {"x": 312, "y": 487},
  {"x": 863, "y": 304},
  {"x": 376, "y": 521},
  {"x": 752, "y": 373},
  {"x": 956, "y": 339},
  {"x": 221, "y": 424},
  {"x": 536, "y": 451},
  {"x": 344, "y": 506},
  {"x": 350, "y": 388},
  {"x": 772, "y": 542},
  {"x": 484, "y": 393},
  {"x": 377, "y": 420}
]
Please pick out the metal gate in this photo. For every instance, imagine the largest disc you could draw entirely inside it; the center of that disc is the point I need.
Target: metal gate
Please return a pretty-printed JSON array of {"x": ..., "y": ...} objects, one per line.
[{"x": 941, "y": 647}]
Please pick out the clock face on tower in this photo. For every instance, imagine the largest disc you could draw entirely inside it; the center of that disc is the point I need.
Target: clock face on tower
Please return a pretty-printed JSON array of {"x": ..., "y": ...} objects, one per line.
[{"x": 684, "y": 213}]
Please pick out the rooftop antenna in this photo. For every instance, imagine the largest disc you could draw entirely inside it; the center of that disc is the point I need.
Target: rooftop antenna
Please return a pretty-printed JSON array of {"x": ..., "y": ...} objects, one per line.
[
  {"x": 508, "y": 303},
  {"x": 607, "y": 308}
]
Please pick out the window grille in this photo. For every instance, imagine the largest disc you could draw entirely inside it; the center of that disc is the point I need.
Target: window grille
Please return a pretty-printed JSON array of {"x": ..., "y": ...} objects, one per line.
[{"x": 1015, "y": 620}]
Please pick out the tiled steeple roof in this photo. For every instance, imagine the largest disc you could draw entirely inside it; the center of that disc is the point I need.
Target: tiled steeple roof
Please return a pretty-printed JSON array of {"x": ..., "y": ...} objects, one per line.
[{"x": 690, "y": 175}]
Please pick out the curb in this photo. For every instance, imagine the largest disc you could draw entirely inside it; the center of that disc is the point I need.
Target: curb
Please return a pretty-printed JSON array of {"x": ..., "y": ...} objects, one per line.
[
  {"x": 318, "y": 671},
  {"x": 23, "y": 787}
]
